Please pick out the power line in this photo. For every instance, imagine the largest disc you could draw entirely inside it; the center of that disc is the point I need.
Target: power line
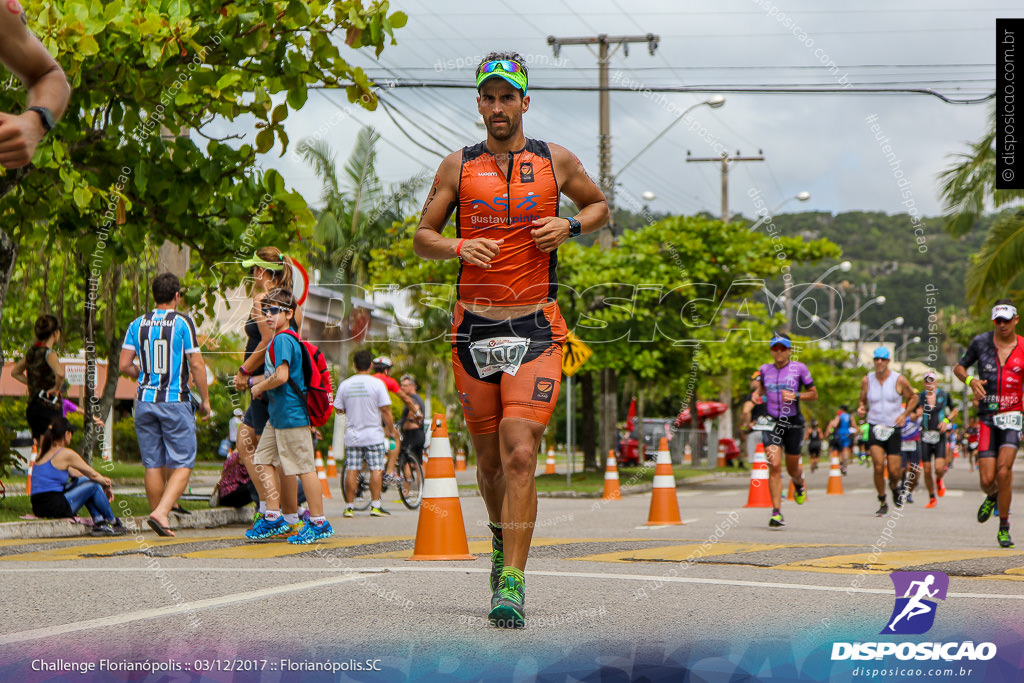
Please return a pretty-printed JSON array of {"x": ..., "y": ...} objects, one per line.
[{"x": 714, "y": 89}]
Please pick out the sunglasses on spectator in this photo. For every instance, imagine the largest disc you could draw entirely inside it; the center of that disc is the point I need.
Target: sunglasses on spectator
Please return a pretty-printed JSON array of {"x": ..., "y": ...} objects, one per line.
[{"x": 274, "y": 310}]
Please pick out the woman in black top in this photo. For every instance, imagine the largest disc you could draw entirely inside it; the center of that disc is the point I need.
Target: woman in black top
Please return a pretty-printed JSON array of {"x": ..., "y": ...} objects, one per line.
[
  {"x": 269, "y": 269},
  {"x": 41, "y": 371}
]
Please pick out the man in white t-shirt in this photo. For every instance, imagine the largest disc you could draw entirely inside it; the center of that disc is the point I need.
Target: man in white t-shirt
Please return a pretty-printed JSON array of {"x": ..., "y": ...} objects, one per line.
[{"x": 364, "y": 400}]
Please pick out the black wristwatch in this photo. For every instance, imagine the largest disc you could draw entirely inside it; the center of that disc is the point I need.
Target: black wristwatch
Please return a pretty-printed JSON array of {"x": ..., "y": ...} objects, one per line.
[
  {"x": 575, "y": 227},
  {"x": 46, "y": 115}
]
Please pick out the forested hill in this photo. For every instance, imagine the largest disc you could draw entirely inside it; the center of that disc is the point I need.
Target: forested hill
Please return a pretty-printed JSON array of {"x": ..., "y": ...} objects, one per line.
[{"x": 888, "y": 260}]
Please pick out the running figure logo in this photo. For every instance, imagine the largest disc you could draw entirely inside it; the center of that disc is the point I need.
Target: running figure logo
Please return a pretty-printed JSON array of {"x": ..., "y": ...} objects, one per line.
[{"x": 914, "y": 612}]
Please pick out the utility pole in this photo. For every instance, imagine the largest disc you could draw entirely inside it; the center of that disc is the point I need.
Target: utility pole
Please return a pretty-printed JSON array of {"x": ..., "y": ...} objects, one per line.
[
  {"x": 604, "y": 55},
  {"x": 606, "y": 236},
  {"x": 725, "y": 160},
  {"x": 725, "y": 393}
]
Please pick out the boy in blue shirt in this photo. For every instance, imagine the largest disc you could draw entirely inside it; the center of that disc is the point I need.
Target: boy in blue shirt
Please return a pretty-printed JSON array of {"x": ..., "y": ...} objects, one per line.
[{"x": 287, "y": 441}]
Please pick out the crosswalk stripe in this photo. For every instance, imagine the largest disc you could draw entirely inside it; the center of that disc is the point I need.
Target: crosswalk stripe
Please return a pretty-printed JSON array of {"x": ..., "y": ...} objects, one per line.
[
  {"x": 77, "y": 552},
  {"x": 890, "y": 561}
]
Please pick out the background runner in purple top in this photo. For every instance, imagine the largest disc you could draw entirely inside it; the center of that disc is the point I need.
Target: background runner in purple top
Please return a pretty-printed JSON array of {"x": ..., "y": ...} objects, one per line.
[{"x": 793, "y": 376}]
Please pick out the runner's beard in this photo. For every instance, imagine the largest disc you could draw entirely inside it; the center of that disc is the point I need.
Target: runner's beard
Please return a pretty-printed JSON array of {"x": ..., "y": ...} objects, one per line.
[{"x": 503, "y": 134}]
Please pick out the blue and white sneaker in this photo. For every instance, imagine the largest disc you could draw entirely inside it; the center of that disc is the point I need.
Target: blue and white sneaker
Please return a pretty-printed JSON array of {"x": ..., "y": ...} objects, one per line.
[
  {"x": 263, "y": 528},
  {"x": 311, "y": 533}
]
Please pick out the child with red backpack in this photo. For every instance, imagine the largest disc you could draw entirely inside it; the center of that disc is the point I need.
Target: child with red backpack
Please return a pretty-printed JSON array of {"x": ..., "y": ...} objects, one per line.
[{"x": 294, "y": 389}]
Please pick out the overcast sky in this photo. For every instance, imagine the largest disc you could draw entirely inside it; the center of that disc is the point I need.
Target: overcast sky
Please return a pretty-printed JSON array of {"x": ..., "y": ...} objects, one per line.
[{"x": 819, "y": 143}]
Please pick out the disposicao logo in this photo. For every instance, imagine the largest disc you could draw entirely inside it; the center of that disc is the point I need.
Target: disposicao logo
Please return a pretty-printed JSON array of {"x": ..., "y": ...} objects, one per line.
[
  {"x": 914, "y": 614},
  {"x": 916, "y": 593}
]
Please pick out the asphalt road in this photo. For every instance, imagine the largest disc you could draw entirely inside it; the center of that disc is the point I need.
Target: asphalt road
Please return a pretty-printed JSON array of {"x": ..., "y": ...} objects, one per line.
[{"x": 721, "y": 595}]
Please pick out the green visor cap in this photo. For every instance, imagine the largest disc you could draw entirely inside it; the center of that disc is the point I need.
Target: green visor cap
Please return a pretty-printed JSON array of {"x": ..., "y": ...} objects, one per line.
[
  {"x": 265, "y": 265},
  {"x": 503, "y": 68}
]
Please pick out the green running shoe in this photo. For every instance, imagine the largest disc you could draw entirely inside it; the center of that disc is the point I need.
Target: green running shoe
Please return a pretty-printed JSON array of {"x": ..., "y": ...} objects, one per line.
[
  {"x": 1004, "y": 538},
  {"x": 776, "y": 520},
  {"x": 507, "y": 603},
  {"x": 985, "y": 511},
  {"x": 497, "y": 559},
  {"x": 799, "y": 495}
]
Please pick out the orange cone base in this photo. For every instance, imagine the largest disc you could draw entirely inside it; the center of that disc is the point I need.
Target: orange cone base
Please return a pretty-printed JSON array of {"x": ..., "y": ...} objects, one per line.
[
  {"x": 612, "y": 492},
  {"x": 664, "y": 509},
  {"x": 434, "y": 538}
]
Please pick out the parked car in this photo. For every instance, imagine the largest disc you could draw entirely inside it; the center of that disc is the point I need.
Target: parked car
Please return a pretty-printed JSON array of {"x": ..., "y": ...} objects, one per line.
[{"x": 654, "y": 429}]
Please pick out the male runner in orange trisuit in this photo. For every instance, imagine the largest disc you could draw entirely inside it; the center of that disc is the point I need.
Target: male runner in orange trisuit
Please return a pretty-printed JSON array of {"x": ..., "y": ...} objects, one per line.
[{"x": 507, "y": 329}]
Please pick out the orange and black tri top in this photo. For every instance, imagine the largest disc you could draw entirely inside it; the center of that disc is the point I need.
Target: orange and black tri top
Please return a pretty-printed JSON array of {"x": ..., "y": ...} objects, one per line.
[{"x": 501, "y": 203}]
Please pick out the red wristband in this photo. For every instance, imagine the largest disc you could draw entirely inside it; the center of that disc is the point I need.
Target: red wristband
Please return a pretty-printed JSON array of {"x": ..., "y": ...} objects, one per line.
[
  {"x": 244, "y": 371},
  {"x": 458, "y": 248}
]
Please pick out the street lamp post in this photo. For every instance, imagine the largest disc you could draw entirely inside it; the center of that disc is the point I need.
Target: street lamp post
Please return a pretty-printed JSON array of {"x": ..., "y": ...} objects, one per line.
[
  {"x": 897, "y": 321},
  {"x": 802, "y": 197},
  {"x": 715, "y": 101},
  {"x": 903, "y": 361},
  {"x": 790, "y": 302},
  {"x": 856, "y": 316}
]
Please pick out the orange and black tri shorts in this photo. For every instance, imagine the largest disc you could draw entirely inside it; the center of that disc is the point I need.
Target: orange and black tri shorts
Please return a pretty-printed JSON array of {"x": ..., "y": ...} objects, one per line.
[{"x": 507, "y": 368}]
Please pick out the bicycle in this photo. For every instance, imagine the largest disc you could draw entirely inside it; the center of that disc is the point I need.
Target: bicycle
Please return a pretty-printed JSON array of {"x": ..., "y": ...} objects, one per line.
[{"x": 410, "y": 491}]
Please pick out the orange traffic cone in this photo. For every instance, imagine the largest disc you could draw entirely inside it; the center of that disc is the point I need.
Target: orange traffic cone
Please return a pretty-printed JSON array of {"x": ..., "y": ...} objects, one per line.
[
  {"x": 332, "y": 464},
  {"x": 721, "y": 454},
  {"x": 835, "y": 478},
  {"x": 460, "y": 460},
  {"x": 611, "y": 479},
  {"x": 325, "y": 488},
  {"x": 687, "y": 455},
  {"x": 759, "y": 496},
  {"x": 664, "y": 503},
  {"x": 440, "y": 532},
  {"x": 31, "y": 464},
  {"x": 549, "y": 467}
]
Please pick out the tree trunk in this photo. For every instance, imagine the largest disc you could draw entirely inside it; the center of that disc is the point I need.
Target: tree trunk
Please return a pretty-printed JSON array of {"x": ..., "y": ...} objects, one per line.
[
  {"x": 8, "y": 258},
  {"x": 113, "y": 336},
  {"x": 89, "y": 341},
  {"x": 609, "y": 384},
  {"x": 641, "y": 451},
  {"x": 589, "y": 443}
]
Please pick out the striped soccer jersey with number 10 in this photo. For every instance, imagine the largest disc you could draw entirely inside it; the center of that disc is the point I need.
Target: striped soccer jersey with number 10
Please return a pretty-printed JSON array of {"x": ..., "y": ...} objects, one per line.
[{"x": 161, "y": 339}]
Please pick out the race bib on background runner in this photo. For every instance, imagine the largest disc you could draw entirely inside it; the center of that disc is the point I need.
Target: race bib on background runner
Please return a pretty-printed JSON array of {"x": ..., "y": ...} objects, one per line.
[
  {"x": 764, "y": 424},
  {"x": 500, "y": 354},
  {"x": 931, "y": 436},
  {"x": 882, "y": 433},
  {"x": 1011, "y": 420},
  {"x": 909, "y": 446}
]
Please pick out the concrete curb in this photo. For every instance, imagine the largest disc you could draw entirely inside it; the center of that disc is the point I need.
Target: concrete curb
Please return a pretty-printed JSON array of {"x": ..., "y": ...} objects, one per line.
[{"x": 63, "y": 528}]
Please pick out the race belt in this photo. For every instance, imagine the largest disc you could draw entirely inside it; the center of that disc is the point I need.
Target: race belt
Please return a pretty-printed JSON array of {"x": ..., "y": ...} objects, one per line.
[
  {"x": 931, "y": 436},
  {"x": 499, "y": 354},
  {"x": 764, "y": 424},
  {"x": 1010, "y": 420},
  {"x": 881, "y": 432},
  {"x": 909, "y": 446}
]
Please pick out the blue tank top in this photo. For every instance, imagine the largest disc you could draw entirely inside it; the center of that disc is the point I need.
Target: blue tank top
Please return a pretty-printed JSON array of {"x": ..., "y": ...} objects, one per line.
[
  {"x": 844, "y": 426},
  {"x": 47, "y": 479}
]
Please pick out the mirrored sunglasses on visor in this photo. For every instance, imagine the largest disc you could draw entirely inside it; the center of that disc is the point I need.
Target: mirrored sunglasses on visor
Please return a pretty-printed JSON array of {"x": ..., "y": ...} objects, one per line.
[{"x": 504, "y": 68}]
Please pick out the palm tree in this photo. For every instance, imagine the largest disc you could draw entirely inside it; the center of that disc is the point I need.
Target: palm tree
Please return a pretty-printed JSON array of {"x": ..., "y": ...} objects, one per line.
[
  {"x": 968, "y": 187},
  {"x": 359, "y": 214}
]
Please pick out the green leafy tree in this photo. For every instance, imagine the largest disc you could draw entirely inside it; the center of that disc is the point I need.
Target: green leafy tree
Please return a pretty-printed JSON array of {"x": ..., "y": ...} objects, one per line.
[
  {"x": 109, "y": 178},
  {"x": 968, "y": 188}
]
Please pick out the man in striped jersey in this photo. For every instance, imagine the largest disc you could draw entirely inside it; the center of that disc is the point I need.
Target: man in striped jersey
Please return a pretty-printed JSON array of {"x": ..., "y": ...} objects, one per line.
[{"x": 169, "y": 356}]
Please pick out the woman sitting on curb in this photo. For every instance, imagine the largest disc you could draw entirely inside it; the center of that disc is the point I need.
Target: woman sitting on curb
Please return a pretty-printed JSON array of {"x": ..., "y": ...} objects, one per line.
[{"x": 51, "y": 499}]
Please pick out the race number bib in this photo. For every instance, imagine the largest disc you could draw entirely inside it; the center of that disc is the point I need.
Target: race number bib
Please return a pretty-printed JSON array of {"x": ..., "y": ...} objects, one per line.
[
  {"x": 909, "y": 446},
  {"x": 764, "y": 424},
  {"x": 931, "y": 436},
  {"x": 881, "y": 432},
  {"x": 1011, "y": 420},
  {"x": 500, "y": 354}
]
